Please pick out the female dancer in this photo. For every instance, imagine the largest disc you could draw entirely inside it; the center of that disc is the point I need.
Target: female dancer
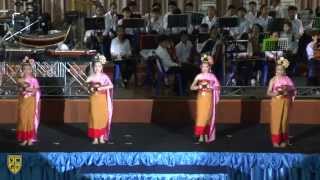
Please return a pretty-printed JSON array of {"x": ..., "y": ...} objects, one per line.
[
  {"x": 282, "y": 91},
  {"x": 28, "y": 105},
  {"x": 100, "y": 104},
  {"x": 208, "y": 88}
]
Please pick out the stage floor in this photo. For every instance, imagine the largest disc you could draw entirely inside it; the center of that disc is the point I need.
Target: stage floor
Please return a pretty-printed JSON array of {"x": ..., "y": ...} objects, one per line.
[{"x": 156, "y": 138}]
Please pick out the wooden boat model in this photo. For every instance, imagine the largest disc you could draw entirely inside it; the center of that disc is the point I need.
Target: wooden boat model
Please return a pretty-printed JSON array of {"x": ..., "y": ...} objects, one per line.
[{"x": 42, "y": 41}]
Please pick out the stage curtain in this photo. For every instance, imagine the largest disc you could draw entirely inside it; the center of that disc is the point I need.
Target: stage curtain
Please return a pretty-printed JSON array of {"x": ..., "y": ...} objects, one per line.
[{"x": 262, "y": 166}]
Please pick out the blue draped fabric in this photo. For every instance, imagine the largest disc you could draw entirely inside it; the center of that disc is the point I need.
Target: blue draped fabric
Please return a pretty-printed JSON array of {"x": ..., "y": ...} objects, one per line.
[
  {"x": 156, "y": 176},
  {"x": 264, "y": 166}
]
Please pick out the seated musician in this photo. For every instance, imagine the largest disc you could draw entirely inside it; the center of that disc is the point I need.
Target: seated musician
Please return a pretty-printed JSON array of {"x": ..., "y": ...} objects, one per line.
[
  {"x": 111, "y": 19},
  {"x": 155, "y": 21},
  {"x": 208, "y": 46},
  {"x": 188, "y": 7},
  {"x": 156, "y": 5},
  {"x": 133, "y": 8},
  {"x": 297, "y": 26},
  {"x": 292, "y": 45},
  {"x": 244, "y": 24},
  {"x": 252, "y": 14},
  {"x": 163, "y": 53},
  {"x": 260, "y": 68},
  {"x": 212, "y": 46},
  {"x": 121, "y": 53},
  {"x": 231, "y": 11},
  {"x": 185, "y": 53},
  {"x": 184, "y": 48},
  {"x": 278, "y": 9},
  {"x": 312, "y": 60},
  {"x": 94, "y": 38},
  {"x": 264, "y": 17},
  {"x": 126, "y": 15},
  {"x": 272, "y": 55},
  {"x": 211, "y": 18},
  {"x": 167, "y": 63}
]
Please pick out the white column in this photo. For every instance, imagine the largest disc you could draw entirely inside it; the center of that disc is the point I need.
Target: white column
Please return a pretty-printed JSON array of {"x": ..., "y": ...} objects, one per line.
[{"x": 62, "y": 9}]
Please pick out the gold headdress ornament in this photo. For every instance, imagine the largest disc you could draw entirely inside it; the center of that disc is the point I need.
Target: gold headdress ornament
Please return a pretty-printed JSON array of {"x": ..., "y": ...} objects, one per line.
[
  {"x": 27, "y": 60},
  {"x": 100, "y": 58},
  {"x": 283, "y": 62},
  {"x": 207, "y": 59}
]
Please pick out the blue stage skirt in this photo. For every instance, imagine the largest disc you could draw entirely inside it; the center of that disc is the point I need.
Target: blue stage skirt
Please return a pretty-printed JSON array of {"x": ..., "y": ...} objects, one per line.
[{"x": 254, "y": 166}]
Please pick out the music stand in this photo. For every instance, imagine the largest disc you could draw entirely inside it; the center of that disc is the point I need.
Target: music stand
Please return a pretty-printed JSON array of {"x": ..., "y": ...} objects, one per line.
[
  {"x": 134, "y": 23},
  {"x": 202, "y": 37},
  {"x": 95, "y": 23},
  {"x": 276, "y": 25},
  {"x": 270, "y": 44},
  {"x": 148, "y": 41},
  {"x": 275, "y": 45},
  {"x": 196, "y": 18},
  {"x": 178, "y": 20},
  {"x": 228, "y": 22},
  {"x": 316, "y": 23},
  {"x": 283, "y": 44},
  {"x": 2, "y": 30}
]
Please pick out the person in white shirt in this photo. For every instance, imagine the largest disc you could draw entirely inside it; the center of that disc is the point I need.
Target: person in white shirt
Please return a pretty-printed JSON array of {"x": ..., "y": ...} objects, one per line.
[
  {"x": 184, "y": 48},
  {"x": 252, "y": 14},
  {"x": 184, "y": 52},
  {"x": 163, "y": 53},
  {"x": 211, "y": 18},
  {"x": 277, "y": 9},
  {"x": 126, "y": 15},
  {"x": 94, "y": 38},
  {"x": 297, "y": 26},
  {"x": 231, "y": 11},
  {"x": 167, "y": 65},
  {"x": 155, "y": 21},
  {"x": 307, "y": 19},
  {"x": 312, "y": 61},
  {"x": 292, "y": 39},
  {"x": 111, "y": 20},
  {"x": 244, "y": 24},
  {"x": 291, "y": 52},
  {"x": 264, "y": 17},
  {"x": 121, "y": 53}
]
